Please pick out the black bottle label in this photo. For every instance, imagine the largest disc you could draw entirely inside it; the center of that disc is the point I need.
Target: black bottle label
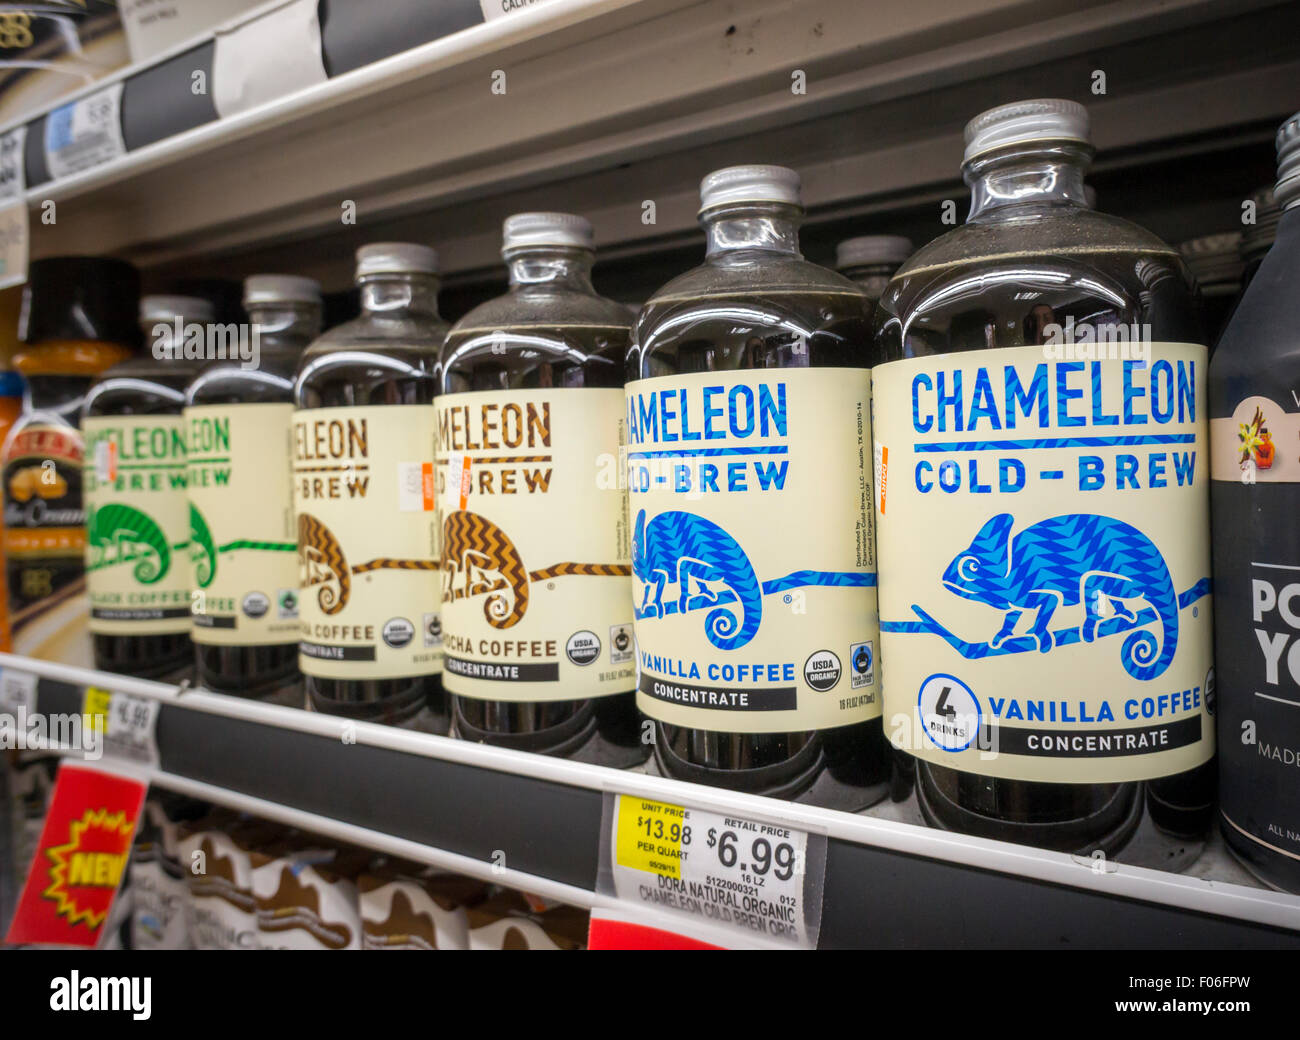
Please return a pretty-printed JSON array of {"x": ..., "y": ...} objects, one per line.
[
  {"x": 1044, "y": 560},
  {"x": 1256, "y": 500}
]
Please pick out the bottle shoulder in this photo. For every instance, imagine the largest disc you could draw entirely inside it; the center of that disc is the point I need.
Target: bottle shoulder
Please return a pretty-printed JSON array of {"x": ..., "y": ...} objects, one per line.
[
  {"x": 543, "y": 307},
  {"x": 142, "y": 386}
]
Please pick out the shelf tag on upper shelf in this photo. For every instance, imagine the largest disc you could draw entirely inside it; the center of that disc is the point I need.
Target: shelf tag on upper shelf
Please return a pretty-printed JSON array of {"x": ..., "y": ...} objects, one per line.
[
  {"x": 493, "y": 9},
  {"x": 17, "y": 692},
  {"x": 13, "y": 168},
  {"x": 758, "y": 882},
  {"x": 15, "y": 230},
  {"x": 85, "y": 133},
  {"x": 269, "y": 55},
  {"x": 126, "y": 724}
]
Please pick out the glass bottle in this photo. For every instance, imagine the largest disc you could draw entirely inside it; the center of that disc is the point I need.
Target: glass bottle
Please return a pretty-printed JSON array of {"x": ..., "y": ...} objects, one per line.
[
  {"x": 137, "y": 512},
  {"x": 243, "y": 537},
  {"x": 1036, "y": 482},
  {"x": 871, "y": 260},
  {"x": 1216, "y": 265},
  {"x": 753, "y": 573},
  {"x": 368, "y": 547},
  {"x": 1255, "y": 491},
  {"x": 552, "y": 352},
  {"x": 78, "y": 319}
]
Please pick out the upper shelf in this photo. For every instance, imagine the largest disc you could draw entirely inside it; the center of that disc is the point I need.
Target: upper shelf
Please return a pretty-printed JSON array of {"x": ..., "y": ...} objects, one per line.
[{"x": 608, "y": 104}]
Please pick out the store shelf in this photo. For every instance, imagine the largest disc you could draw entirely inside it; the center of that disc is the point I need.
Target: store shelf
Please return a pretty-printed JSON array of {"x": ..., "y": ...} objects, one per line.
[
  {"x": 610, "y": 103},
  {"x": 535, "y": 823}
]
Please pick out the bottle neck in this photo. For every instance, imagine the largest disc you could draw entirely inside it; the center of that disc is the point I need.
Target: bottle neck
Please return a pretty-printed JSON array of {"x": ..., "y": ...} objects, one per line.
[
  {"x": 410, "y": 293},
  {"x": 552, "y": 266},
  {"x": 286, "y": 320},
  {"x": 769, "y": 227},
  {"x": 1041, "y": 174}
]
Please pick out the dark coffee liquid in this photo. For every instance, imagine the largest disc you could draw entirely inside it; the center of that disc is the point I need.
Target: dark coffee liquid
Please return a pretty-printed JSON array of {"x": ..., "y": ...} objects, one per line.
[
  {"x": 249, "y": 671},
  {"x": 366, "y": 376},
  {"x": 768, "y": 329},
  {"x": 145, "y": 387},
  {"x": 1019, "y": 294},
  {"x": 523, "y": 357}
]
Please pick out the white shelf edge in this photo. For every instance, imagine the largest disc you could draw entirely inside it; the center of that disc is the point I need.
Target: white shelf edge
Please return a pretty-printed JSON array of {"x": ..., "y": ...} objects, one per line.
[{"x": 1223, "y": 899}]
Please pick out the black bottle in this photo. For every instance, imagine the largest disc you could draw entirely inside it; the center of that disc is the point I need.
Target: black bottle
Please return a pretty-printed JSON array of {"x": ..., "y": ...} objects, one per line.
[
  {"x": 137, "y": 513},
  {"x": 1255, "y": 491},
  {"x": 243, "y": 538},
  {"x": 550, "y": 350},
  {"x": 1040, "y": 419},
  {"x": 368, "y": 553},
  {"x": 749, "y": 480}
]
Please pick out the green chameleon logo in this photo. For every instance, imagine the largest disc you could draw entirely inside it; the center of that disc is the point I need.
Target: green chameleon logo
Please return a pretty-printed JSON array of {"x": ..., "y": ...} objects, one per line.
[
  {"x": 203, "y": 549},
  {"x": 120, "y": 534}
]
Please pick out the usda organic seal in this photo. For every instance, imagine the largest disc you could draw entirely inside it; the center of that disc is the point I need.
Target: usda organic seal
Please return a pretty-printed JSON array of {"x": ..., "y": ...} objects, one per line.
[
  {"x": 583, "y": 647},
  {"x": 397, "y": 632},
  {"x": 822, "y": 671}
]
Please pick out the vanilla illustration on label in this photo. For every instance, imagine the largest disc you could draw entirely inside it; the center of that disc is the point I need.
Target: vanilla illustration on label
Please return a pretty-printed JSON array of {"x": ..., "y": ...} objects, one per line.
[
  {"x": 137, "y": 525},
  {"x": 367, "y": 560},
  {"x": 535, "y": 597},
  {"x": 753, "y": 549},
  {"x": 1045, "y": 563}
]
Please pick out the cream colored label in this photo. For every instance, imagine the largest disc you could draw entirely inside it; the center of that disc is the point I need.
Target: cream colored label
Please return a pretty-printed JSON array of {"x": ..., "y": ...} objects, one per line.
[
  {"x": 368, "y": 562},
  {"x": 1044, "y": 547},
  {"x": 536, "y": 594},
  {"x": 137, "y": 524},
  {"x": 243, "y": 544},
  {"x": 1259, "y": 444},
  {"x": 752, "y": 552}
]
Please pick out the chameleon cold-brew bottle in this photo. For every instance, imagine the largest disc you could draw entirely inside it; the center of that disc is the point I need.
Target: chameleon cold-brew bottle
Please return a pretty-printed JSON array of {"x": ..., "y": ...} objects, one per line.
[
  {"x": 1040, "y": 432},
  {"x": 243, "y": 536},
  {"x": 537, "y": 591},
  {"x": 368, "y": 552},
  {"x": 749, "y": 477},
  {"x": 870, "y": 261},
  {"x": 79, "y": 317},
  {"x": 1255, "y": 496},
  {"x": 137, "y": 513}
]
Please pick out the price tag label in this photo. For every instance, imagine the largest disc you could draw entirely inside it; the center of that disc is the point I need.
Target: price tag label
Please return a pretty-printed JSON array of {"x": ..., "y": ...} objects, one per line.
[
  {"x": 85, "y": 133},
  {"x": 17, "y": 692},
  {"x": 126, "y": 724},
  {"x": 494, "y": 9},
  {"x": 13, "y": 168},
  {"x": 760, "y": 881}
]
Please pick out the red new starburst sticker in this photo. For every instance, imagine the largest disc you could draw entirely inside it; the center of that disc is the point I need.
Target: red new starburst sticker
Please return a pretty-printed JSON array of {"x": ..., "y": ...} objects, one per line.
[{"x": 81, "y": 858}]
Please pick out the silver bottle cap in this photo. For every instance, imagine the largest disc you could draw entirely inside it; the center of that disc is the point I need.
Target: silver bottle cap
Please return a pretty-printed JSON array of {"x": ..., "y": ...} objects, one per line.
[
  {"x": 872, "y": 249},
  {"x": 154, "y": 309},
  {"x": 396, "y": 258},
  {"x": 1044, "y": 119},
  {"x": 735, "y": 184},
  {"x": 1215, "y": 260},
  {"x": 546, "y": 229},
  {"x": 280, "y": 288},
  {"x": 1288, "y": 163}
]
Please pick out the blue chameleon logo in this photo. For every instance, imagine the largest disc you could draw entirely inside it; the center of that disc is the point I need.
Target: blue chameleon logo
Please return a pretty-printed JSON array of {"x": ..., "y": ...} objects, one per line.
[
  {"x": 710, "y": 570},
  {"x": 686, "y": 550},
  {"x": 1102, "y": 563}
]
